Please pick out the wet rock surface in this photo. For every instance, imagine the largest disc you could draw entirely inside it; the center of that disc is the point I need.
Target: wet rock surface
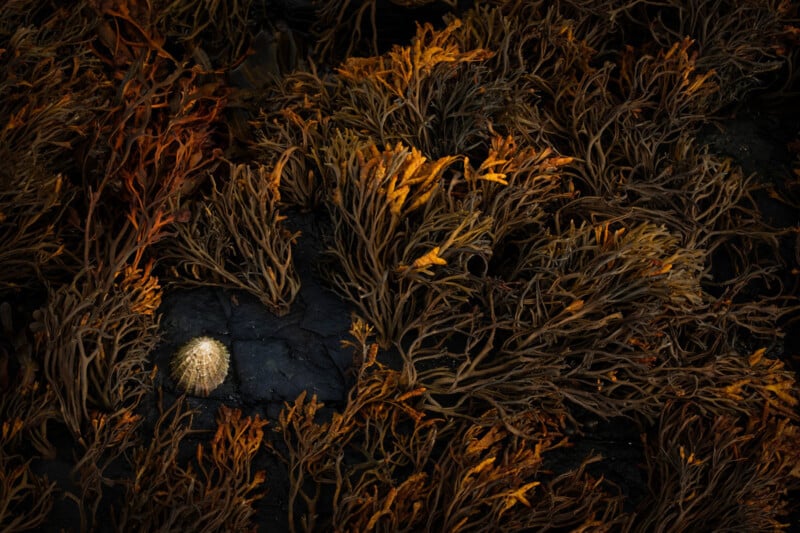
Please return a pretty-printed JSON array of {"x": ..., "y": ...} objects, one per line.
[{"x": 273, "y": 359}]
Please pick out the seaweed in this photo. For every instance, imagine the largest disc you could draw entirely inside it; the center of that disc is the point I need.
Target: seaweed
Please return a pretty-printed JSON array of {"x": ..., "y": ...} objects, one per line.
[
  {"x": 236, "y": 238},
  {"x": 214, "y": 491},
  {"x": 399, "y": 253},
  {"x": 25, "y": 498},
  {"x": 423, "y": 95},
  {"x": 517, "y": 203},
  {"x": 345, "y": 29},
  {"x": 718, "y": 472},
  {"x": 388, "y": 465}
]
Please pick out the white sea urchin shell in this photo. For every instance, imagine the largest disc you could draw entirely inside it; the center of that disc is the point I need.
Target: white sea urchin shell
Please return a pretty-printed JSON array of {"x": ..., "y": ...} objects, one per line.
[{"x": 200, "y": 365}]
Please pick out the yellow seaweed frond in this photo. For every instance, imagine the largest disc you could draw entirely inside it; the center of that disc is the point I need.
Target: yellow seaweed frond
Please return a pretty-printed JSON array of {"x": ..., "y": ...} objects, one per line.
[{"x": 422, "y": 263}]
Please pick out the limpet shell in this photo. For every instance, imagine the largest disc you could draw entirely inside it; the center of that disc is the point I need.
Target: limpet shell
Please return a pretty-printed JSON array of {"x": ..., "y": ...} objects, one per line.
[{"x": 200, "y": 365}]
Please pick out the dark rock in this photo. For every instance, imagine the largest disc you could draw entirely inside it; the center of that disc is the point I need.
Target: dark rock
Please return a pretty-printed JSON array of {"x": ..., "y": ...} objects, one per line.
[
  {"x": 273, "y": 359},
  {"x": 261, "y": 365},
  {"x": 251, "y": 320},
  {"x": 341, "y": 357},
  {"x": 272, "y": 370},
  {"x": 193, "y": 312},
  {"x": 324, "y": 313}
]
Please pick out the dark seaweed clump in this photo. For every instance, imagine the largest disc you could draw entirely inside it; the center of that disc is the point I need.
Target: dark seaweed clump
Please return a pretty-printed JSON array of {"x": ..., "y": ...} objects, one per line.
[{"x": 518, "y": 203}]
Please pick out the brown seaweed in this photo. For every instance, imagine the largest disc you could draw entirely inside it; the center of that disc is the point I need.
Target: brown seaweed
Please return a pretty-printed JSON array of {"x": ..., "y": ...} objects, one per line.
[
  {"x": 212, "y": 492},
  {"x": 392, "y": 467},
  {"x": 517, "y": 203}
]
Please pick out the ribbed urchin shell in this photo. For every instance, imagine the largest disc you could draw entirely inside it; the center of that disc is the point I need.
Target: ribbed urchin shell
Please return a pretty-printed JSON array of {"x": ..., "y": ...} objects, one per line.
[{"x": 200, "y": 365}]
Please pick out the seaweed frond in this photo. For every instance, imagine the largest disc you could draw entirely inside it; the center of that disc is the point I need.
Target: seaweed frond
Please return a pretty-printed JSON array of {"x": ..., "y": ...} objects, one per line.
[{"x": 235, "y": 238}]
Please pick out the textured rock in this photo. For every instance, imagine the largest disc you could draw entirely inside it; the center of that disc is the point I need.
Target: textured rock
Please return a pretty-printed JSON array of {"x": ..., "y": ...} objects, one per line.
[
  {"x": 272, "y": 359},
  {"x": 250, "y": 319},
  {"x": 271, "y": 370},
  {"x": 193, "y": 312}
]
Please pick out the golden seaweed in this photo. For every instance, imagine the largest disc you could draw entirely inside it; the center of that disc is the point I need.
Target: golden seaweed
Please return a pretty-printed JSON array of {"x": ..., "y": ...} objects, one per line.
[{"x": 517, "y": 203}]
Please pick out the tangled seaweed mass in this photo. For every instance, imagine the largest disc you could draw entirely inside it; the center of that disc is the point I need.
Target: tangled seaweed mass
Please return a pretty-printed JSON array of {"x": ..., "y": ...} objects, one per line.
[{"x": 517, "y": 203}]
